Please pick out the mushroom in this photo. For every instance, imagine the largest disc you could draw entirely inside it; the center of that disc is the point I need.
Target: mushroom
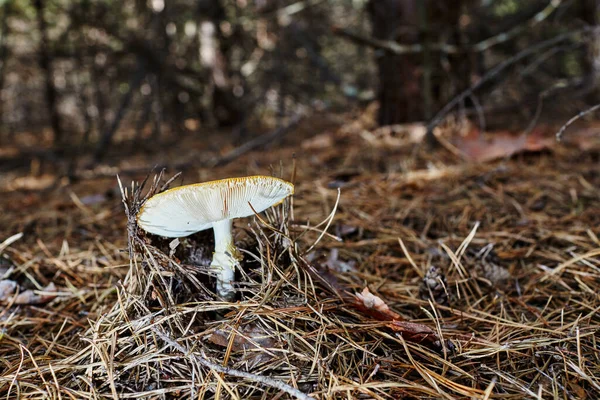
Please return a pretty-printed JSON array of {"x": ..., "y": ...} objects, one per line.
[{"x": 185, "y": 210}]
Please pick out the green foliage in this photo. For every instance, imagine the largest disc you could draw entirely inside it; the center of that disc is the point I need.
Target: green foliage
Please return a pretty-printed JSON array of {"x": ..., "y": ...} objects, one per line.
[{"x": 504, "y": 8}]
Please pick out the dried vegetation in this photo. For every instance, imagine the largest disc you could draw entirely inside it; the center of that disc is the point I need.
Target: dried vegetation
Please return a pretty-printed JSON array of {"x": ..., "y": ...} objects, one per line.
[{"x": 436, "y": 278}]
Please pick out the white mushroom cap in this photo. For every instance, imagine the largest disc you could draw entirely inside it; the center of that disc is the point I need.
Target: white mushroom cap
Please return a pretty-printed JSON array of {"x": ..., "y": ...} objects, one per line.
[{"x": 188, "y": 209}]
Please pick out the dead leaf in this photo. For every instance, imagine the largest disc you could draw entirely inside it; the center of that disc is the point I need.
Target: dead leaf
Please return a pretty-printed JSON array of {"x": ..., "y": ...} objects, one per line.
[
  {"x": 322, "y": 141},
  {"x": 502, "y": 144},
  {"x": 585, "y": 139},
  {"x": 32, "y": 182},
  {"x": 414, "y": 332},
  {"x": 372, "y": 305},
  {"x": 395, "y": 136},
  {"x": 375, "y": 307},
  {"x": 247, "y": 338},
  {"x": 8, "y": 289}
]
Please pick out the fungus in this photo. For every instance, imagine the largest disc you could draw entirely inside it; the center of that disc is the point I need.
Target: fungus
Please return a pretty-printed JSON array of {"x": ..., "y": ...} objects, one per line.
[{"x": 185, "y": 210}]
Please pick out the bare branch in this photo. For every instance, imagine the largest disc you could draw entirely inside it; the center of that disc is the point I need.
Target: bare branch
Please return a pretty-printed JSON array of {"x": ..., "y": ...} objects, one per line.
[
  {"x": 284, "y": 387},
  {"x": 258, "y": 142},
  {"x": 496, "y": 70},
  {"x": 398, "y": 48},
  {"x": 570, "y": 122}
]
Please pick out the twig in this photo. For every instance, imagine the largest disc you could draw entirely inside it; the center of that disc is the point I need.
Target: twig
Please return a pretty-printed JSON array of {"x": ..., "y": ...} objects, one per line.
[
  {"x": 496, "y": 70},
  {"x": 515, "y": 31},
  {"x": 257, "y": 142},
  {"x": 575, "y": 118},
  {"x": 135, "y": 82},
  {"x": 234, "y": 372},
  {"x": 389, "y": 45},
  {"x": 398, "y": 48},
  {"x": 10, "y": 241}
]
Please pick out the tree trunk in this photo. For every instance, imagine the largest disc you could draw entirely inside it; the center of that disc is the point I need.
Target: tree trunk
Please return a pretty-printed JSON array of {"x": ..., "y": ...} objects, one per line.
[
  {"x": 46, "y": 66},
  {"x": 225, "y": 108},
  {"x": 589, "y": 13},
  {"x": 410, "y": 85},
  {"x": 4, "y": 54},
  {"x": 399, "y": 90}
]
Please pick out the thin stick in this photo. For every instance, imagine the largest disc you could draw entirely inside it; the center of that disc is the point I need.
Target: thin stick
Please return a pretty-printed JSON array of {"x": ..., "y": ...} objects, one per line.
[
  {"x": 575, "y": 118},
  {"x": 258, "y": 142},
  {"x": 329, "y": 220},
  {"x": 398, "y": 48},
  {"x": 10, "y": 241},
  {"x": 234, "y": 372}
]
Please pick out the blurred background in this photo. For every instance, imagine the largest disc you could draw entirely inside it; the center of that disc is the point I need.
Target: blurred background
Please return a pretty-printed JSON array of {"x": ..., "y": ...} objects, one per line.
[{"x": 84, "y": 82}]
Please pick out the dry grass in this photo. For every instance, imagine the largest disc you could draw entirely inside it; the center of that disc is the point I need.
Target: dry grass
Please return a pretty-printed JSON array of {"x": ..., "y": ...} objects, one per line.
[{"x": 501, "y": 260}]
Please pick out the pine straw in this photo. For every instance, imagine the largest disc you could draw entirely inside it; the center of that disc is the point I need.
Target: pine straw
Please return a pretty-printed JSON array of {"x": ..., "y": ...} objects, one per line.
[{"x": 501, "y": 260}]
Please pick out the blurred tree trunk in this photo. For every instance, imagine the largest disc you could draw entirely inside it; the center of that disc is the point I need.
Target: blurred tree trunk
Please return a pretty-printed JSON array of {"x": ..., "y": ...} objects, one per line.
[
  {"x": 225, "y": 108},
  {"x": 46, "y": 66},
  {"x": 589, "y": 13},
  {"x": 410, "y": 84},
  {"x": 4, "y": 53},
  {"x": 399, "y": 90}
]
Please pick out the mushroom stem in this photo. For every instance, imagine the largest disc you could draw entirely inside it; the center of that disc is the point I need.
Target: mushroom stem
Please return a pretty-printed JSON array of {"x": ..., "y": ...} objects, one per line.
[{"x": 224, "y": 259}]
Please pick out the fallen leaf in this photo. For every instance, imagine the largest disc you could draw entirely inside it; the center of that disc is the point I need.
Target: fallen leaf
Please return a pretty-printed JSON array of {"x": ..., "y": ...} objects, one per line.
[
  {"x": 33, "y": 182},
  {"x": 247, "y": 338},
  {"x": 375, "y": 307},
  {"x": 8, "y": 289},
  {"x": 372, "y": 305},
  {"x": 322, "y": 141},
  {"x": 585, "y": 139},
  {"x": 502, "y": 144},
  {"x": 395, "y": 136},
  {"x": 414, "y": 332}
]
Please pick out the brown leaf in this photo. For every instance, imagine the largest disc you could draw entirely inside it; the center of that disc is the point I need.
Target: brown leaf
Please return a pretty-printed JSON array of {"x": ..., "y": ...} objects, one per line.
[
  {"x": 395, "y": 136},
  {"x": 373, "y": 306},
  {"x": 414, "y": 332},
  {"x": 318, "y": 142},
  {"x": 248, "y": 338},
  {"x": 33, "y": 182},
  {"x": 502, "y": 144},
  {"x": 32, "y": 296},
  {"x": 585, "y": 139}
]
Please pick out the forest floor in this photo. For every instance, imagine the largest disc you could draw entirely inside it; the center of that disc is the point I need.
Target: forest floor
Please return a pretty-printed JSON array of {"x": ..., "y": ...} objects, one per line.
[{"x": 468, "y": 271}]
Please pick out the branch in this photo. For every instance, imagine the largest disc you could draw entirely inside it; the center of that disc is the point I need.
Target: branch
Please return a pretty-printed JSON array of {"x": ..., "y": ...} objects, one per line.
[
  {"x": 257, "y": 142},
  {"x": 397, "y": 48},
  {"x": 134, "y": 83},
  {"x": 496, "y": 70},
  {"x": 513, "y": 32},
  {"x": 570, "y": 122},
  {"x": 234, "y": 372},
  {"x": 389, "y": 45}
]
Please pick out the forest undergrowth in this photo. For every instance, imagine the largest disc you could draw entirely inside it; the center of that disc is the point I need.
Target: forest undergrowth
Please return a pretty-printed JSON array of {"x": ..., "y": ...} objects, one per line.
[{"x": 395, "y": 271}]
